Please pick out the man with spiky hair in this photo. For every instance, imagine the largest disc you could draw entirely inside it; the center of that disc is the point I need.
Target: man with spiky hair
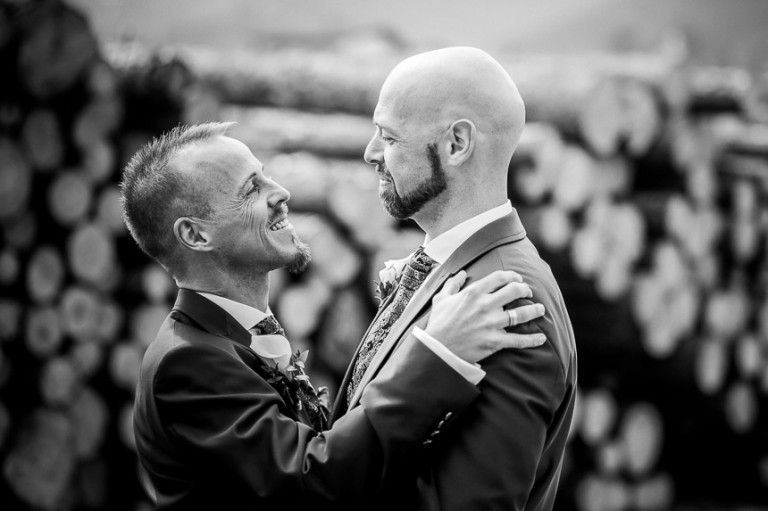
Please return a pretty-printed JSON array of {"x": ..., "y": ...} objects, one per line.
[{"x": 225, "y": 416}]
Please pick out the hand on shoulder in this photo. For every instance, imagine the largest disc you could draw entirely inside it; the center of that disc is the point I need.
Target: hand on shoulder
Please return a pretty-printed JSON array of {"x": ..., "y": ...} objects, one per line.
[{"x": 472, "y": 322}]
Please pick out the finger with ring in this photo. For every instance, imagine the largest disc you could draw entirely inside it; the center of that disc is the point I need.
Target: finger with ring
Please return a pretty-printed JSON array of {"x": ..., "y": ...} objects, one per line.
[{"x": 512, "y": 317}]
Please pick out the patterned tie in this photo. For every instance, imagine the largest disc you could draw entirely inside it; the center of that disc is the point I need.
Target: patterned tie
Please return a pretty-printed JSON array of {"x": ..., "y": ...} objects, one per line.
[
  {"x": 268, "y": 326},
  {"x": 297, "y": 390},
  {"x": 414, "y": 274}
]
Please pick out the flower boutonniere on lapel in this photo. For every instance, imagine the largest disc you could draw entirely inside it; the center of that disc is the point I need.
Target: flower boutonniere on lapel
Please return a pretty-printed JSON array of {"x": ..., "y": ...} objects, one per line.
[
  {"x": 288, "y": 370},
  {"x": 286, "y": 374},
  {"x": 277, "y": 368},
  {"x": 389, "y": 276}
]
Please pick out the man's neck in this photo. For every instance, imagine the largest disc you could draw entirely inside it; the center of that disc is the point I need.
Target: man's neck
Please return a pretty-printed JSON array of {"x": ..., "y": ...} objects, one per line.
[
  {"x": 252, "y": 291},
  {"x": 436, "y": 219}
]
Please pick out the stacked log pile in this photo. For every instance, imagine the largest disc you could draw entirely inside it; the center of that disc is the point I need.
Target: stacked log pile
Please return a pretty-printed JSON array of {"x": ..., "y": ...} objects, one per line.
[
  {"x": 663, "y": 265},
  {"x": 79, "y": 303},
  {"x": 618, "y": 447}
]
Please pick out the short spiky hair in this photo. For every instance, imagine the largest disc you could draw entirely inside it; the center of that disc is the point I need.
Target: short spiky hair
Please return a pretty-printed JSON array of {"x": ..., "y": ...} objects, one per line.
[{"x": 155, "y": 194}]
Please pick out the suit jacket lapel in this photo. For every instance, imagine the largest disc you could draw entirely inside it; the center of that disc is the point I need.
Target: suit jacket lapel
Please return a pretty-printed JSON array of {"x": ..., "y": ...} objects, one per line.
[
  {"x": 210, "y": 317},
  {"x": 505, "y": 230}
]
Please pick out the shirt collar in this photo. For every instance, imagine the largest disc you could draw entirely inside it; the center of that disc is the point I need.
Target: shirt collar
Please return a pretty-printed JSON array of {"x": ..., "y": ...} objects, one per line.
[
  {"x": 246, "y": 315},
  {"x": 443, "y": 246}
]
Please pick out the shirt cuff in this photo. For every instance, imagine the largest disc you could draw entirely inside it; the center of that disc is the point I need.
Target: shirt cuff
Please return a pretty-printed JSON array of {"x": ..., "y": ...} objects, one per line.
[{"x": 473, "y": 373}]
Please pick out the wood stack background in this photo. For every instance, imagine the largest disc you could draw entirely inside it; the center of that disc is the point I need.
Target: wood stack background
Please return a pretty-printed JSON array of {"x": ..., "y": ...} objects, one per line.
[
  {"x": 79, "y": 302},
  {"x": 643, "y": 181}
]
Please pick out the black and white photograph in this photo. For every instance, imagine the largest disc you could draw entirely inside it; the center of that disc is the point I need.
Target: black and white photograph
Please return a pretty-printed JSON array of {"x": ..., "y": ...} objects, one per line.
[{"x": 331, "y": 255}]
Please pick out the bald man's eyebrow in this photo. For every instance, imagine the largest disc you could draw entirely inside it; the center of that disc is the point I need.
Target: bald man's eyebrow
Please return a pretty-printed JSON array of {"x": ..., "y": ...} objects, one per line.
[{"x": 383, "y": 127}]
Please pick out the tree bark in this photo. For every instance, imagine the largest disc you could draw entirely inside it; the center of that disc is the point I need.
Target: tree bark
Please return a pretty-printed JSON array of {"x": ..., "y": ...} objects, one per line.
[
  {"x": 333, "y": 259},
  {"x": 598, "y": 416},
  {"x": 43, "y": 332},
  {"x": 45, "y": 274},
  {"x": 273, "y": 130},
  {"x": 80, "y": 310},
  {"x": 302, "y": 306},
  {"x": 641, "y": 434},
  {"x": 91, "y": 254},
  {"x": 69, "y": 198},
  {"x": 15, "y": 180},
  {"x": 40, "y": 462},
  {"x": 90, "y": 417},
  {"x": 56, "y": 50},
  {"x": 42, "y": 139},
  {"x": 343, "y": 328}
]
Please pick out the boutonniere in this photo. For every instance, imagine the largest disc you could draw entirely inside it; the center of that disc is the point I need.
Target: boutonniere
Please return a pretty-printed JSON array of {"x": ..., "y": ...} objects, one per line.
[
  {"x": 389, "y": 276},
  {"x": 287, "y": 368},
  {"x": 286, "y": 373}
]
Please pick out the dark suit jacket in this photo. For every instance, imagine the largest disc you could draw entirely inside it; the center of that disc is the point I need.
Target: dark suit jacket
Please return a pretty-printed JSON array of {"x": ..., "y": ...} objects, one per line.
[
  {"x": 505, "y": 451},
  {"x": 211, "y": 433}
]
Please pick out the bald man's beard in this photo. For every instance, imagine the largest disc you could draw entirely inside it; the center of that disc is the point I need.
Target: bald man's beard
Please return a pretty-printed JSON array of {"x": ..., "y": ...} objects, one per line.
[
  {"x": 302, "y": 258},
  {"x": 405, "y": 206}
]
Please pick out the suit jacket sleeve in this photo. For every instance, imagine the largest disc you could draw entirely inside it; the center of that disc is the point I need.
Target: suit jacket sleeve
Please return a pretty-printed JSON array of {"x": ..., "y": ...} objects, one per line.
[
  {"x": 489, "y": 458},
  {"x": 226, "y": 420}
]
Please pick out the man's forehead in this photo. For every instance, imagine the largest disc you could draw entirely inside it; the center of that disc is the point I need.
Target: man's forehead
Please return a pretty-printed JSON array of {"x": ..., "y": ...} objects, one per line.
[
  {"x": 380, "y": 120},
  {"x": 391, "y": 113},
  {"x": 406, "y": 115},
  {"x": 223, "y": 157}
]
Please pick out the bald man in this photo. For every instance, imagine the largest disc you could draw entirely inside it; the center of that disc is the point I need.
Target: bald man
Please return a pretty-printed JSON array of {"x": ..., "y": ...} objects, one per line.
[{"x": 447, "y": 123}]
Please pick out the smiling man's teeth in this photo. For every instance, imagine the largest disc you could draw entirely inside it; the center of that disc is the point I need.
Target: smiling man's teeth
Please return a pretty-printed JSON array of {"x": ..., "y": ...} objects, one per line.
[{"x": 282, "y": 224}]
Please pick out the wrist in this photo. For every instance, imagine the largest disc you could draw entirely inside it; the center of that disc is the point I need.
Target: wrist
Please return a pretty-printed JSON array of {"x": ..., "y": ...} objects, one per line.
[{"x": 435, "y": 333}]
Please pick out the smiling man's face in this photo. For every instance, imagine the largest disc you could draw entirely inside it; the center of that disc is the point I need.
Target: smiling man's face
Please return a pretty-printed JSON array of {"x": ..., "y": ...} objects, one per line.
[{"x": 250, "y": 229}]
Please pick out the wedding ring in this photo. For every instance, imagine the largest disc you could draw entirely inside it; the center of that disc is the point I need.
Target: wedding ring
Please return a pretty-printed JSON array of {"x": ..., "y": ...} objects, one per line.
[{"x": 512, "y": 317}]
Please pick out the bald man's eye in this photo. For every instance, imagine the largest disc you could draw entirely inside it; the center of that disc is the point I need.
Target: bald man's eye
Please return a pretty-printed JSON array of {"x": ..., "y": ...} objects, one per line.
[{"x": 388, "y": 140}]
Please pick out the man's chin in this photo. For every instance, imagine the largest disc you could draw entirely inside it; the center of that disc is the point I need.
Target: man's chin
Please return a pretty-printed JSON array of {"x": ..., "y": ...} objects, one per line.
[
  {"x": 393, "y": 205},
  {"x": 301, "y": 259}
]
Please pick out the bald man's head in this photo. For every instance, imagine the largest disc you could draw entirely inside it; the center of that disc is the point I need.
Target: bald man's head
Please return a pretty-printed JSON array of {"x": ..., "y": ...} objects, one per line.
[
  {"x": 447, "y": 123},
  {"x": 436, "y": 88}
]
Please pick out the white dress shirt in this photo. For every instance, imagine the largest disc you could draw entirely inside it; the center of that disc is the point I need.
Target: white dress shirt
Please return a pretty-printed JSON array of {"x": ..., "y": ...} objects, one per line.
[
  {"x": 246, "y": 315},
  {"x": 440, "y": 249}
]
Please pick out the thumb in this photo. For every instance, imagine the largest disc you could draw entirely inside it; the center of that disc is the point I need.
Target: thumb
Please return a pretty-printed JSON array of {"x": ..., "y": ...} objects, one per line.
[{"x": 454, "y": 284}]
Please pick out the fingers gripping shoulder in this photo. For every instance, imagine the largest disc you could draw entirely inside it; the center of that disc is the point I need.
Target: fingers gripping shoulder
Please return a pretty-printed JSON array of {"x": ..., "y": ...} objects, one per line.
[
  {"x": 534, "y": 326},
  {"x": 533, "y": 273}
]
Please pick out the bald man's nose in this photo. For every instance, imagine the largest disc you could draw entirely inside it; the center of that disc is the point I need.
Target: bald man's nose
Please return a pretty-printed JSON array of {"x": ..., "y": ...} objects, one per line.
[
  {"x": 278, "y": 194},
  {"x": 373, "y": 151}
]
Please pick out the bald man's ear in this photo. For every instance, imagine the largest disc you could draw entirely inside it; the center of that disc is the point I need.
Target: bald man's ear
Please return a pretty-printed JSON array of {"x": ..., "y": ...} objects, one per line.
[
  {"x": 192, "y": 234},
  {"x": 461, "y": 141}
]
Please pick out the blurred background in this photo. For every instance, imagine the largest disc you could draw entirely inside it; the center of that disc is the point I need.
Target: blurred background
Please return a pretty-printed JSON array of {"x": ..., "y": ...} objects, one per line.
[{"x": 642, "y": 177}]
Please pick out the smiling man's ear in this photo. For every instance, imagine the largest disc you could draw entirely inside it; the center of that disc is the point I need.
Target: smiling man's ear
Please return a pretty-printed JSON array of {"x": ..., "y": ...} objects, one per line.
[
  {"x": 461, "y": 141},
  {"x": 193, "y": 234}
]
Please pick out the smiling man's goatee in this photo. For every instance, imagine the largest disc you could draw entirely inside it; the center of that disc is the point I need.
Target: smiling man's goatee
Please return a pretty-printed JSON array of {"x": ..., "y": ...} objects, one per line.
[{"x": 302, "y": 259}]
